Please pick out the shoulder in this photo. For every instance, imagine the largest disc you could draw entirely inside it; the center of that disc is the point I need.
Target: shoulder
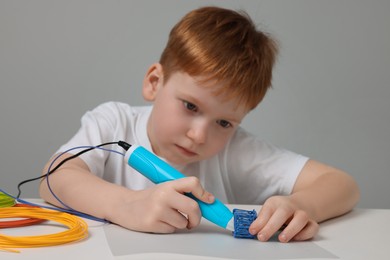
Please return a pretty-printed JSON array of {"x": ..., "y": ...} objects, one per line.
[
  {"x": 245, "y": 148},
  {"x": 253, "y": 164},
  {"x": 243, "y": 140},
  {"x": 113, "y": 111},
  {"x": 115, "y": 107}
]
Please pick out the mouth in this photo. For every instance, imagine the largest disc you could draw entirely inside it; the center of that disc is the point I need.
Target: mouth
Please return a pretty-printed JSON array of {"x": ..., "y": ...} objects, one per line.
[{"x": 186, "y": 152}]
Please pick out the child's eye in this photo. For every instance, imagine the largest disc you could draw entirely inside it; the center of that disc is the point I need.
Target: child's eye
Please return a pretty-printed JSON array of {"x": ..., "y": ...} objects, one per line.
[
  {"x": 190, "y": 106},
  {"x": 224, "y": 123}
]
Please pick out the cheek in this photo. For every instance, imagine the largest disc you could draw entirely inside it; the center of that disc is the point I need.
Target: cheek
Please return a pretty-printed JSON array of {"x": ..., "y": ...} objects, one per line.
[
  {"x": 215, "y": 144},
  {"x": 170, "y": 122}
]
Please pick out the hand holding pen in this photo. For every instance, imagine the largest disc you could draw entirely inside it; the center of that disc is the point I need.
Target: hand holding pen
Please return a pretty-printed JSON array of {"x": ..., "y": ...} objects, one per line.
[{"x": 164, "y": 208}]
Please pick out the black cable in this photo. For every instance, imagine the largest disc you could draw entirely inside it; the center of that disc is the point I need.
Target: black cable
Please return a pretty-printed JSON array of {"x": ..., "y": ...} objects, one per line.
[{"x": 122, "y": 144}]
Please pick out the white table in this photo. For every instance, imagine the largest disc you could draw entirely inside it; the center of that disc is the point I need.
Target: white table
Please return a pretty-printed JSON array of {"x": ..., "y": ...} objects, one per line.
[{"x": 360, "y": 234}]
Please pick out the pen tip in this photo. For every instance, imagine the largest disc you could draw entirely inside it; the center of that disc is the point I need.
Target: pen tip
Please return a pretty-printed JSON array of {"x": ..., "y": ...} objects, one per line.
[{"x": 230, "y": 225}]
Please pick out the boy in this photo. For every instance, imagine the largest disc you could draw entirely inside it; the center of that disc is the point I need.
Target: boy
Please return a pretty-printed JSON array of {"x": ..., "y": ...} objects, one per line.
[{"x": 215, "y": 69}]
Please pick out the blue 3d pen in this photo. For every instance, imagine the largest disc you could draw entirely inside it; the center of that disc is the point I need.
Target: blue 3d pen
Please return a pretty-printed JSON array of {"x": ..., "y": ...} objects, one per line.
[{"x": 159, "y": 171}]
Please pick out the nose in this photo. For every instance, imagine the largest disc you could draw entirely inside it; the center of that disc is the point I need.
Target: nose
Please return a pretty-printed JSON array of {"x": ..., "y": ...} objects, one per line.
[{"x": 198, "y": 131}]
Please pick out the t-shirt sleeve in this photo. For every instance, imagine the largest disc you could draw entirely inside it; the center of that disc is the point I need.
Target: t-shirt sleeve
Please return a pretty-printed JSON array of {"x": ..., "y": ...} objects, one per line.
[
  {"x": 258, "y": 170},
  {"x": 97, "y": 127}
]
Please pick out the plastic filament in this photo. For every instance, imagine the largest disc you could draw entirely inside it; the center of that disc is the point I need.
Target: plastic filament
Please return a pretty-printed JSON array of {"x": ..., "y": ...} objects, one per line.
[
  {"x": 242, "y": 220},
  {"x": 6, "y": 201},
  {"x": 77, "y": 228},
  {"x": 21, "y": 222}
]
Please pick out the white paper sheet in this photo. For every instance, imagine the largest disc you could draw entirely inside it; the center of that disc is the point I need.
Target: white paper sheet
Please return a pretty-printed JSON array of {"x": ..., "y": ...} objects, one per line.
[{"x": 208, "y": 240}]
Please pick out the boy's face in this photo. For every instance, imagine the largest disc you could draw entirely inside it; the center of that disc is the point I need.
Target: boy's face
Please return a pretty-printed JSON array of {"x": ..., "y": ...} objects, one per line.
[{"x": 188, "y": 122}]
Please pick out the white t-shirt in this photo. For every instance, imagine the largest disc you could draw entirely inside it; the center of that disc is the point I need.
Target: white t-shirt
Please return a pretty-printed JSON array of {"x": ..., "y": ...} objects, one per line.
[{"x": 246, "y": 171}]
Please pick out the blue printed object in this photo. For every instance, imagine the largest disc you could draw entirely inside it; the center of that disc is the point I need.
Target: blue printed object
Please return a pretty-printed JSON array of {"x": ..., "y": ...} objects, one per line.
[{"x": 242, "y": 220}]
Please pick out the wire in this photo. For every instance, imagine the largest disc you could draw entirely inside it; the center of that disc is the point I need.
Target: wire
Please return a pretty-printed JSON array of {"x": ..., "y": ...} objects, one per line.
[
  {"x": 89, "y": 148},
  {"x": 62, "y": 162},
  {"x": 50, "y": 171},
  {"x": 77, "y": 228}
]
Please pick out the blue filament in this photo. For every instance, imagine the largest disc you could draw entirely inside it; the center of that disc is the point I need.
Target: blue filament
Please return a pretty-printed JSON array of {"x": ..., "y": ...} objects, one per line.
[{"x": 242, "y": 220}]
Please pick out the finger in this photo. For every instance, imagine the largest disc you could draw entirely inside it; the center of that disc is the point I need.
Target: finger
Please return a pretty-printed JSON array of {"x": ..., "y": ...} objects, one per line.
[
  {"x": 193, "y": 185},
  {"x": 189, "y": 207},
  {"x": 297, "y": 224},
  {"x": 310, "y": 230},
  {"x": 276, "y": 221},
  {"x": 162, "y": 228},
  {"x": 155, "y": 222},
  {"x": 162, "y": 218},
  {"x": 262, "y": 219},
  {"x": 174, "y": 219}
]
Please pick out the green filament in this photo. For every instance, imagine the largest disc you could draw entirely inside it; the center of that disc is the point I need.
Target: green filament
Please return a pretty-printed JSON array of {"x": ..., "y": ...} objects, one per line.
[{"x": 6, "y": 201}]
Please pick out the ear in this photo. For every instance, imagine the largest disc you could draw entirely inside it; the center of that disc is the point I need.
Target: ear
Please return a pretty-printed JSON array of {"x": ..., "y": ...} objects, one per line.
[{"x": 153, "y": 80}]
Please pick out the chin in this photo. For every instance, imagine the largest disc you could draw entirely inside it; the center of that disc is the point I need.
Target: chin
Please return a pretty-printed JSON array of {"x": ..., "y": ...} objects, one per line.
[{"x": 180, "y": 161}]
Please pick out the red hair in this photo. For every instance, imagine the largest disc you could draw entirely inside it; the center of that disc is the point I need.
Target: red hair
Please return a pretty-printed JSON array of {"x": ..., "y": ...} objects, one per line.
[{"x": 225, "y": 46}]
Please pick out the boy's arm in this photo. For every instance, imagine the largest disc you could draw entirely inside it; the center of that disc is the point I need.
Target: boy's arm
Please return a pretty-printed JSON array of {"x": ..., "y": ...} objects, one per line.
[
  {"x": 151, "y": 210},
  {"x": 320, "y": 192},
  {"x": 324, "y": 192},
  {"x": 78, "y": 188}
]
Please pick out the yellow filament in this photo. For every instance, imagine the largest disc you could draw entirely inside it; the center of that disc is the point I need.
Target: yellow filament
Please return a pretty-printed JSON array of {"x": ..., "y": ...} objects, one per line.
[{"x": 77, "y": 228}]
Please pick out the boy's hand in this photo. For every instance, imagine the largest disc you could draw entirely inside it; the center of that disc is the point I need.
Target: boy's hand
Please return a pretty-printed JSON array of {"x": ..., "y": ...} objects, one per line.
[
  {"x": 281, "y": 212},
  {"x": 164, "y": 208}
]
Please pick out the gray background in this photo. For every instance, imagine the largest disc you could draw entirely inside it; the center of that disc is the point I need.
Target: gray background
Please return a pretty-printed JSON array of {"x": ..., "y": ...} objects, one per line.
[{"x": 331, "y": 85}]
